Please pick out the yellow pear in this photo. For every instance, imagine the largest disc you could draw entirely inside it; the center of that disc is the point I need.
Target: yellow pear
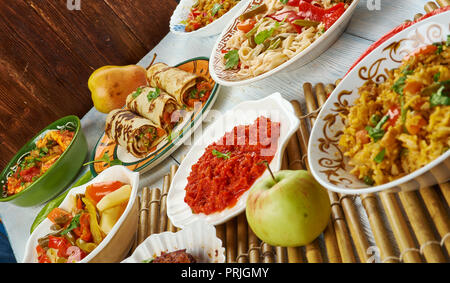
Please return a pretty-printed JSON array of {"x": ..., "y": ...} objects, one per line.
[{"x": 110, "y": 85}]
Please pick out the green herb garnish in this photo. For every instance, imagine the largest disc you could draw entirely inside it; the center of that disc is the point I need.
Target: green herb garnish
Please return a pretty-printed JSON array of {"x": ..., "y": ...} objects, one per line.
[
  {"x": 376, "y": 133},
  {"x": 398, "y": 87},
  {"x": 216, "y": 9},
  {"x": 221, "y": 155},
  {"x": 137, "y": 92},
  {"x": 368, "y": 180},
  {"x": 380, "y": 156},
  {"x": 73, "y": 224},
  {"x": 284, "y": 1},
  {"x": 153, "y": 94},
  {"x": 107, "y": 159},
  {"x": 440, "y": 97},
  {"x": 265, "y": 34},
  {"x": 436, "y": 76},
  {"x": 374, "y": 119},
  {"x": 232, "y": 59}
]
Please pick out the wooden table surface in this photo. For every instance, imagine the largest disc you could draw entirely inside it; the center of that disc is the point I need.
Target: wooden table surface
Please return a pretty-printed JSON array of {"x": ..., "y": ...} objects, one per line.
[{"x": 47, "y": 53}]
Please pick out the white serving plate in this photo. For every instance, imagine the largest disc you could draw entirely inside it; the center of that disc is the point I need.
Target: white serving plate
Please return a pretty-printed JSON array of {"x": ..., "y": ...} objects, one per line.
[
  {"x": 276, "y": 108},
  {"x": 326, "y": 161},
  {"x": 302, "y": 58},
  {"x": 181, "y": 14},
  {"x": 116, "y": 245},
  {"x": 199, "y": 239}
]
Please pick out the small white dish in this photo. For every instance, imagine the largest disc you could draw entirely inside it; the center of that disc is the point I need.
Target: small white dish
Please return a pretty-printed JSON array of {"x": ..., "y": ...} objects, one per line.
[
  {"x": 199, "y": 239},
  {"x": 181, "y": 14},
  {"x": 116, "y": 245},
  {"x": 220, "y": 75},
  {"x": 274, "y": 107},
  {"x": 326, "y": 161}
]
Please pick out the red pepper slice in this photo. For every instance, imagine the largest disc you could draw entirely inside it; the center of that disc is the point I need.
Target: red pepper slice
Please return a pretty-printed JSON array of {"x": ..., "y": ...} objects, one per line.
[
  {"x": 60, "y": 244},
  {"x": 96, "y": 192},
  {"x": 42, "y": 255},
  {"x": 394, "y": 113},
  {"x": 332, "y": 16},
  {"x": 28, "y": 174},
  {"x": 310, "y": 12}
]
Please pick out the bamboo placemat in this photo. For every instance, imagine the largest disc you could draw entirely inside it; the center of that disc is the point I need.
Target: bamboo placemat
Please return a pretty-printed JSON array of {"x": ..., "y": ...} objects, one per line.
[{"x": 384, "y": 227}]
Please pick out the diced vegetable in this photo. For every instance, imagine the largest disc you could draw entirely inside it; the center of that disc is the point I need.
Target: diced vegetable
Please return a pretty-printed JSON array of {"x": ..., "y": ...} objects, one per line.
[
  {"x": 114, "y": 198},
  {"x": 59, "y": 216},
  {"x": 93, "y": 223},
  {"x": 305, "y": 23},
  {"x": 255, "y": 11},
  {"x": 380, "y": 156},
  {"x": 97, "y": 191}
]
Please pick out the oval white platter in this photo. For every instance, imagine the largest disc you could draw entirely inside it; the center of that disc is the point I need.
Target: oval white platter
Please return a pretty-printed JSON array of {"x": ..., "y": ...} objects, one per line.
[
  {"x": 114, "y": 173},
  {"x": 222, "y": 76},
  {"x": 274, "y": 107}
]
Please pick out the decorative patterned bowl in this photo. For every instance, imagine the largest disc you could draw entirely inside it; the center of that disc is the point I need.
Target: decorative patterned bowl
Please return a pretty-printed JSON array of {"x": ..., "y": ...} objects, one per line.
[
  {"x": 116, "y": 245},
  {"x": 327, "y": 162},
  {"x": 225, "y": 77},
  {"x": 60, "y": 174},
  {"x": 181, "y": 14}
]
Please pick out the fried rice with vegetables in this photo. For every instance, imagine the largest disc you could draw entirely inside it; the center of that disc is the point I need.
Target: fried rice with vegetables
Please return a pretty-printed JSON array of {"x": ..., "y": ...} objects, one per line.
[{"x": 402, "y": 124}]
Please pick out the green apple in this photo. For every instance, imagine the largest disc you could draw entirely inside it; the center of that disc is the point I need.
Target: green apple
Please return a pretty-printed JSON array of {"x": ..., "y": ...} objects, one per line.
[{"x": 291, "y": 210}]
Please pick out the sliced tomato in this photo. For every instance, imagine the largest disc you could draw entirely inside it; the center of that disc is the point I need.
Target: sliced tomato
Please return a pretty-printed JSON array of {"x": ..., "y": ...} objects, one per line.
[
  {"x": 393, "y": 112},
  {"x": 28, "y": 174},
  {"x": 42, "y": 255},
  {"x": 60, "y": 244},
  {"x": 246, "y": 26}
]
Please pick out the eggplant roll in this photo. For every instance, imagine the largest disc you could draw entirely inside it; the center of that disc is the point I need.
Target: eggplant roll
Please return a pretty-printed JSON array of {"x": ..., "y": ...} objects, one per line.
[
  {"x": 138, "y": 135},
  {"x": 180, "y": 84},
  {"x": 155, "y": 105}
]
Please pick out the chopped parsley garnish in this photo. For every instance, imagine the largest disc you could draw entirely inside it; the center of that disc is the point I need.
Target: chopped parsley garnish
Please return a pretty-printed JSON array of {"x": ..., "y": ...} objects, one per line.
[
  {"x": 368, "y": 180},
  {"x": 440, "y": 97},
  {"x": 107, "y": 159},
  {"x": 232, "y": 59},
  {"x": 216, "y": 9},
  {"x": 436, "y": 76},
  {"x": 374, "y": 119},
  {"x": 398, "y": 87},
  {"x": 376, "y": 133},
  {"x": 73, "y": 224},
  {"x": 153, "y": 94},
  {"x": 380, "y": 156},
  {"x": 221, "y": 155},
  {"x": 137, "y": 92},
  {"x": 265, "y": 34},
  {"x": 284, "y": 1}
]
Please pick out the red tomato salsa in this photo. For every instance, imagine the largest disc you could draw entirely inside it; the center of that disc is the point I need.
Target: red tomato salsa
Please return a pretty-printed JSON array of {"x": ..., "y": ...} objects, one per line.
[{"x": 229, "y": 167}]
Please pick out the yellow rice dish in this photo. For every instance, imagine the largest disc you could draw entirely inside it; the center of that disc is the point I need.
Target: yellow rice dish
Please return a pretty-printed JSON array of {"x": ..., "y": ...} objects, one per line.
[{"x": 402, "y": 124}]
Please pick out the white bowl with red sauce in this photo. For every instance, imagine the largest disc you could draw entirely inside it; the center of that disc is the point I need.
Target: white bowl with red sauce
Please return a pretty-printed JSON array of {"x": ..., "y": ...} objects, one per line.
[{"x": 274, "y": 107}]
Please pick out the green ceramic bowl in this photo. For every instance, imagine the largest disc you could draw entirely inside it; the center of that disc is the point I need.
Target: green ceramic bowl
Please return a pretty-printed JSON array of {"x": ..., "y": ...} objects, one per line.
[{"x": 61, "y": 173}]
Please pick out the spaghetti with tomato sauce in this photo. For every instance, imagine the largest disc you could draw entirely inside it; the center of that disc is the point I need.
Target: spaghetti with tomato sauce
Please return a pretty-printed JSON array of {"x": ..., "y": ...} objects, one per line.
[{"x": 230, "y": 166}]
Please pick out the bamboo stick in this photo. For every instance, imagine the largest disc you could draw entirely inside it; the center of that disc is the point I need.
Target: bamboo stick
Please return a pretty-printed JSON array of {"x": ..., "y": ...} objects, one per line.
[
  {"x": 342, "y": 235},
  {"x": 438, "y": 213},
  {"x": 220, "y": 233},
  {"x": 356, "y": 230},
  {"x": 231, "y": 240},
  {"x": 331, "y": 244},
  {"x": 267, "y": 252},
  {"x": 312, "y": 252},
  {"x": 408, "y": 252},
  {"x": 163, "y": 204},
  {"x": 431, "y": 251},
  {"x": 253, "y": 247},
  {"x": 387, "y": 254},
  {"x": 329, "y": 233},
  {"x": 154, "y": 210},
  {"x": 136, "y": 236},
  {"x": 242, "y": 238},
  {"x": 173, "y": 170},
  {"x": 144, "y": 214},
  {"x": 445, "y": 189},
  {"x": 430, "y": 6}
]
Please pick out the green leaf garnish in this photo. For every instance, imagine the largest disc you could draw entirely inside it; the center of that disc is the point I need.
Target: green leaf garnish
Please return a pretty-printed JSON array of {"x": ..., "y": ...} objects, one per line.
[
  {"x": 380, "y": 156},
  {"x": 376, "y": 133},
  {"x": 368, "y": 180},
  {"x": 107, "y": 159},
  {"x": 284, "y": 1},
  {"x": 216, "y": 9},
  {"x": 232, "y": 59},
  {"x": 440, "y": 97},
  {"x": 73, "y": 224},
  {"x": 221, "y": 155},
  {"x": 153, "y": 94},
  {"x": 137, "y": 92},
  {"x": 436, "y": 76}
]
